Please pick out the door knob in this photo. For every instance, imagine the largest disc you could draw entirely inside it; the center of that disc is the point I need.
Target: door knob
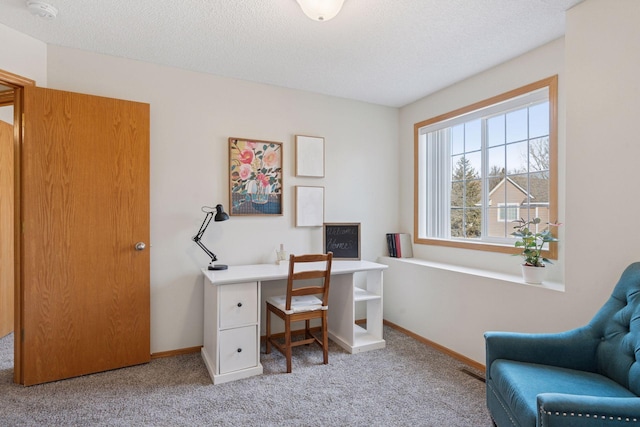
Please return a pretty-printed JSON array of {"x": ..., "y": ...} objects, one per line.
[{"x": 140, "y": 246}]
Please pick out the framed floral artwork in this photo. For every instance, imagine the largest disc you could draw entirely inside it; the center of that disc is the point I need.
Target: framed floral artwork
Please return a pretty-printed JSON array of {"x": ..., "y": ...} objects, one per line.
[{"x": 255, "y": 177}]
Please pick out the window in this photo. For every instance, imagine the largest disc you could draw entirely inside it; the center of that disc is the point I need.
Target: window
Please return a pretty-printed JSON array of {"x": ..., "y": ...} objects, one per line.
[
  {"x": 508, "y": 212},
  {"x": 481, "y": 167}
]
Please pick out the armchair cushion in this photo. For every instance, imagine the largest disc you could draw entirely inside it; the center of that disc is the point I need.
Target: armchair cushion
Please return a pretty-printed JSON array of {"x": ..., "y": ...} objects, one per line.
[{"x": 521, "y": 383}]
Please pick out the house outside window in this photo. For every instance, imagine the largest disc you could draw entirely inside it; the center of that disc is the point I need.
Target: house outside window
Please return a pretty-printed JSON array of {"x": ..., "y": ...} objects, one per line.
[{"x": 481, "y": 167}]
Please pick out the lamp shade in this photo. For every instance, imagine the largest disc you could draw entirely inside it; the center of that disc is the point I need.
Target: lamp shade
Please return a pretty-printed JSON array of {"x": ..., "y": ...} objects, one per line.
[
  {"x": 221, "y": 215},
  {"x": 320, "y": 10}
]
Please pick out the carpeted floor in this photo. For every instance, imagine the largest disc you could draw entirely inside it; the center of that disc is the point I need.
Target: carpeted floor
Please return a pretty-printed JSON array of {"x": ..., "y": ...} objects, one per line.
[{"x": 405, "y": 384}]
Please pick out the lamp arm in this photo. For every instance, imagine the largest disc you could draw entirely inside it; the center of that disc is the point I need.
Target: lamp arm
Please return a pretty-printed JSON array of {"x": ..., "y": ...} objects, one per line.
[
  {"x": 197, "y": 237},
  {"x": 207, "y": 251}
]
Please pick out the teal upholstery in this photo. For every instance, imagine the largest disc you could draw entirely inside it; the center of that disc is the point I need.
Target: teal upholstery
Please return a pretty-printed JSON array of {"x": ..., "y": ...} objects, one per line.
[{"x": 589, "y": 376}]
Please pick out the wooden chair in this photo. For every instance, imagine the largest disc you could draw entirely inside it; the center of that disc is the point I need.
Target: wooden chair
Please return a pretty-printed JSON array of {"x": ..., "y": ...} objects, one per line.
[{"x": 300, "y": 303}]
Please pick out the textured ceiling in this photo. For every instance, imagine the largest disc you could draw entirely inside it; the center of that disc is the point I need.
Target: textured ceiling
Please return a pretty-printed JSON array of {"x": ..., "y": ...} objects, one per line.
[{"x": 388, "y": 52}]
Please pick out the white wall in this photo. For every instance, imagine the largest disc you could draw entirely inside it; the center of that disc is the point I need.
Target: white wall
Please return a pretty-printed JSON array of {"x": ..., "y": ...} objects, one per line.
[
  {"x": 192, "y": 116},
  {"x": 597, "y": 63},
  {"x": 23, "y": 55},
  {"x": 603, "y": 148}
]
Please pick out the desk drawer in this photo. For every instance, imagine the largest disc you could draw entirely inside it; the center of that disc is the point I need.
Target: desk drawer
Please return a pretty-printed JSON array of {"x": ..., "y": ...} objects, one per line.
[
  {"x": 238, "y": 304},
  {"x": 238, "y": 349}
]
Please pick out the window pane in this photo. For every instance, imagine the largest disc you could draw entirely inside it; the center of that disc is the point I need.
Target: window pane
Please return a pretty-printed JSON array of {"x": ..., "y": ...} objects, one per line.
[
  {"x": 539, "y": 154},
  {"x": 473, "y": 193},
  {"x": 495, "y": 227},
  {"x": 466, "y": 223},
  {"x": 539, "y": 204},
  {"x": 474, "y": 164},
  {"x": 457, "y": 194},
  {"x": 495, "y": 161},
  {"x": 473, "y": 223},
  {"x": 457, "y": 139},
  {"x": 517, "y": 125},
  {"x": 539, "y": 120},
  {"x": 497, "y": 191},
  {"x": 457, "y": 224},
  {"x": 517, "y": 157},
  {"x": 495, "y": 130},
  {"x": 473, "y": 135},
  {"x": 457, "y": 168},
  {"x": 466, "y": 193}
]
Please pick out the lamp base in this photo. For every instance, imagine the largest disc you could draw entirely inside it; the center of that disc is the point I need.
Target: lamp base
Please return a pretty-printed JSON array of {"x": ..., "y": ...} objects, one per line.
[{"x": 217, "y": 267}]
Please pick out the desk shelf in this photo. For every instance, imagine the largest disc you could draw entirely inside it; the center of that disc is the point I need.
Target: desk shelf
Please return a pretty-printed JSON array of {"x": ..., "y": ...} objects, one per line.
[
  {"x": 366, "y": 340},
  {"x": 360, "y": 294},
  {"x": 344, "y": 295}
]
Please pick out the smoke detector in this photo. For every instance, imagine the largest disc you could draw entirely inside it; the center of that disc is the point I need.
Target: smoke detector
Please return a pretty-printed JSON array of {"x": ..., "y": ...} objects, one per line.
[{"x": 42, "y": 9}]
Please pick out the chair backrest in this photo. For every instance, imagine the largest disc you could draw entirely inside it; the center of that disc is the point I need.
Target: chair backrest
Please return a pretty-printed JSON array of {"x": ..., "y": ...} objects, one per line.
[
  {"x": 616, "y": 332},
  {"x": 306, "y": 267}
]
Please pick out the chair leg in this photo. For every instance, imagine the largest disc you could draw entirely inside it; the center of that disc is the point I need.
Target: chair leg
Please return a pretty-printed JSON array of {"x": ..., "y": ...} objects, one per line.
[
  {"x": 267, "y": 343},
  {"x": 287, "y": 343},
  {"x": 307, "y": 329},
  {"x": 325, "y": 339}
]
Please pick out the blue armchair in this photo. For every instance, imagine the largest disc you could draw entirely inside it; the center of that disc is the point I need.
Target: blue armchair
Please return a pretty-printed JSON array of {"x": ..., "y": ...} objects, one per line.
[{"x": 589, "y": 376}]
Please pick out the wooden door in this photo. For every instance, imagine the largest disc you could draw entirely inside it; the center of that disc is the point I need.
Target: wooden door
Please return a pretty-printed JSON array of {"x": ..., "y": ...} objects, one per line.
[
  {"x": 6, "y": 228},
  {"x": 84, "y": 205}
]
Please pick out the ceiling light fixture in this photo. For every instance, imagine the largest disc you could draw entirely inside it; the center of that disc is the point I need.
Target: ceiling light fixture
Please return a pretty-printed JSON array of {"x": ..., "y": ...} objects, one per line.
[
  {"x": 42, "y": 9},
  {"x": 320, "y": 10}
]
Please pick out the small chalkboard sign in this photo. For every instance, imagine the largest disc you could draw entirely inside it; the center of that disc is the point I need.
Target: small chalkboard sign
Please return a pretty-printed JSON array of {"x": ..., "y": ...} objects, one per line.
[{"x": 343, "y": 239}]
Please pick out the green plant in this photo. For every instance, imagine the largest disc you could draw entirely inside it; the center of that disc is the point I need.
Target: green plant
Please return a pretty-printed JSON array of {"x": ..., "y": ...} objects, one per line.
[{"x": 532, "y": 243}]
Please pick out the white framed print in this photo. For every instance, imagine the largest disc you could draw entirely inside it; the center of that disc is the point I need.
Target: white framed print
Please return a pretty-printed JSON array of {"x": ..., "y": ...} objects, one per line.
[
  {"x": 309, "y": 206},
  {"x": 309, "y": 156}
]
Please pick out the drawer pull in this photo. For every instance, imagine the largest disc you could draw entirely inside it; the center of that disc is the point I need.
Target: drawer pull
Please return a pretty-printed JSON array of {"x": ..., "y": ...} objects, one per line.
[
  {"x": 239, "y": 304},
  {"x": 239, "y": 350}
]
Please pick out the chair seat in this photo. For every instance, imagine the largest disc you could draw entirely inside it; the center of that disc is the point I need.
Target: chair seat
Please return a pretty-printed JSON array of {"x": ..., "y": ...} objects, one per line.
[
  {"x": 518, "y": 383},
  {"x": 299, "y": 304}
]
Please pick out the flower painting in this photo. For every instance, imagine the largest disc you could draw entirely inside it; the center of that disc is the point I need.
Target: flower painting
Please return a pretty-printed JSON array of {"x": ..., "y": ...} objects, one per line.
[{"x": 255, "y": 177}]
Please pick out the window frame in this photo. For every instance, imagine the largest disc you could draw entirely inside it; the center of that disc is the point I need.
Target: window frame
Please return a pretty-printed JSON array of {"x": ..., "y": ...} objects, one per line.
[{"x": 551, "y": 83}]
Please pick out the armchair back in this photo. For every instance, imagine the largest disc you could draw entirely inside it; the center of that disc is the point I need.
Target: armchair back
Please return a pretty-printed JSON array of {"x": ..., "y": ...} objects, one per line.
[{"x": 617, "y": 328}]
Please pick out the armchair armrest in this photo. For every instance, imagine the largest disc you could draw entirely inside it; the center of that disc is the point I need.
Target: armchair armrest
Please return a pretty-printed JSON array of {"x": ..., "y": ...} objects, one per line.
[
  {"x": 574, "y": 349},
  {"x": 555, "y": 409}
]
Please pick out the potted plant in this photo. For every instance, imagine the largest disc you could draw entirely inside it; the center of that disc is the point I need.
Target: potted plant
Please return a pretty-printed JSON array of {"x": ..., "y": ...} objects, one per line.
[{"x": 531, "y": 243}]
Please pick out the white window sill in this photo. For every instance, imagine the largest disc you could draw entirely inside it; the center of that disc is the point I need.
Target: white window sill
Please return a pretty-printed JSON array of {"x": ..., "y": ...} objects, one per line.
[{"x": 503, "y": 277}]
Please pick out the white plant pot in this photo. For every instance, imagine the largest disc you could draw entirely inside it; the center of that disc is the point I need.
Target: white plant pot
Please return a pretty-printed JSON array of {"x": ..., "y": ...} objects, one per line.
[{"x": 533, "y": 275}]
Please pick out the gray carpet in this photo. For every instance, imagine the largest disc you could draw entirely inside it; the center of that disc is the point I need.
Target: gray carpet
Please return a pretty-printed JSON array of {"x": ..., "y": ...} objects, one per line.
[{"x": 405, "y": 384}]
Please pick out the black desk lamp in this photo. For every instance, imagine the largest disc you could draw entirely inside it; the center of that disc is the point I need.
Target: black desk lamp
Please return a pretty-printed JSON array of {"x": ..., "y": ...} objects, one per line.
[{"x": 220, "y": 215}]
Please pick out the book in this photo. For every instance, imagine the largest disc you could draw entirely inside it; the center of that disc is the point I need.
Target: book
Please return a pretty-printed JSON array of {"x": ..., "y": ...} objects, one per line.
[
  {"x": 391, "y": 244},
  {"x": 406, "y": 247},
  {"x": 399, "y": 245}
]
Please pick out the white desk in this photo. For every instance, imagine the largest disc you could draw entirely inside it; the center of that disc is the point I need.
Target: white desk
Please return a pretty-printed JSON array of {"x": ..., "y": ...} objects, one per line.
[{"x": 232, "y": 314}]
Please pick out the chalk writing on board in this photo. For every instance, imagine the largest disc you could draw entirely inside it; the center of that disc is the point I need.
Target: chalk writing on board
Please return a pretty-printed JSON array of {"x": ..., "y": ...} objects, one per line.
[
  {"x": 343, "y": 240},
  {"x": 333, "y": 244}
]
